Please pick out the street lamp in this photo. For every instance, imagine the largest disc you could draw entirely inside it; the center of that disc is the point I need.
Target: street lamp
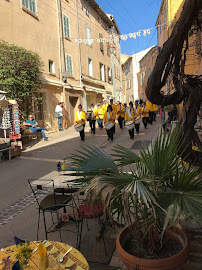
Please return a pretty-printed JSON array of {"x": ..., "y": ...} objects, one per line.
[{"x": 112, "y": 50}]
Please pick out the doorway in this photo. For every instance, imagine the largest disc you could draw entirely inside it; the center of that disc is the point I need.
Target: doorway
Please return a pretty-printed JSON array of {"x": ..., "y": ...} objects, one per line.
[{"x": 72, "y": 102}]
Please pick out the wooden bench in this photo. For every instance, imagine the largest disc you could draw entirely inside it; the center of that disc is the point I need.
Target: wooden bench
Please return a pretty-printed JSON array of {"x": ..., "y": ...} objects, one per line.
[{"x": 28, "y": 137}]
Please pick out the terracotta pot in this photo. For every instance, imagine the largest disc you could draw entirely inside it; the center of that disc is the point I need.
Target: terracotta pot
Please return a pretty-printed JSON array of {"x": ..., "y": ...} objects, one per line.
[{"x": 175, "y": 262}]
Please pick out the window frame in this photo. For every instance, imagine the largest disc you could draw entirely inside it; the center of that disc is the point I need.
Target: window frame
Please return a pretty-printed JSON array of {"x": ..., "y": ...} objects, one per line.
[
  {"x": 101, "y": 43},
  {"x": 87, "y": 11},
  {"x": 53, "y": 66},
  {"x": 102, "y": 72},
  {"x": 89, "y": 43},
  {"x": 68, "y": 38},
  {"x": 72, "y": 75},
  {"x": 90, "y": 59},
  {"x": 27, "y": 9}
]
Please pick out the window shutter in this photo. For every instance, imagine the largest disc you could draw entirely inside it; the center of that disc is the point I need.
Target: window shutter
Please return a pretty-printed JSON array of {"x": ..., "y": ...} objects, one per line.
[
  {"x": 101, "y": 44},
  {"x": 66, "y": 26},
  {"x": 69, "y": 65}
]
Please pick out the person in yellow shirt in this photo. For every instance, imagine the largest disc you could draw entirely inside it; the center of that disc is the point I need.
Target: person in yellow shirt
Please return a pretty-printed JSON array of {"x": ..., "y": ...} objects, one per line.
[
  {"x": 120, "y": 114},
  {"x": 125, "y": 109},
  {"x": 145, "y": 115},
  {"x": 150, "y": 107},
  {"x": 80, "y": 118},
  {"x": 105, "y": 105},
  {"x": 109, "y": 116},
  {"x": 93, "y": 117},
  {"x": 100, "y": 116},
  {"x": 131, "y": 115},
  {"x": 139, "y": 113}
]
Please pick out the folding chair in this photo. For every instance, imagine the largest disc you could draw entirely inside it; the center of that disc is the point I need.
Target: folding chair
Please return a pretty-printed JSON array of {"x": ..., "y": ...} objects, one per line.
[{"x": 51, "y": 203}]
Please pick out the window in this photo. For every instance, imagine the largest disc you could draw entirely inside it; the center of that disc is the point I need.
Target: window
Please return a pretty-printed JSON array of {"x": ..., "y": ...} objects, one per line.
[
  {"x": 69, "y": 65},
  {"x": 90, "y": 67},
  {"x": 128, "y": 84},
  {"x": 109, "y": 71},
  {"x": 99, "y": 20},
  {"x": 30, "y": 5},
  {"x": 101, "y": 43},
  {"x": 148, "y": 57},
  {"x": 87, "y": 7},
  {"x": 51, "y": 67},
  {"x": 88, "y": 36},
  {"x": 164, "y": 20},
  {"x": 102, "y": 72},
  {"x": 142, "y": 78},
  {"x": 66, "y": 26},
  {"x": 148, "y": 72}
]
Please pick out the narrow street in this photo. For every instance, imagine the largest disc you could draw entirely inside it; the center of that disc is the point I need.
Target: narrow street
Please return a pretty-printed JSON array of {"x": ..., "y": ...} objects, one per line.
[{"x": 18, "y": 211}]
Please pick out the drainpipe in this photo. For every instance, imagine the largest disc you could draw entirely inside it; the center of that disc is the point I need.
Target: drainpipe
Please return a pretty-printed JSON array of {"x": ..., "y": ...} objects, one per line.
[
  {"x": 63, "y": 49},
  {"x": 80, "y": 68}
]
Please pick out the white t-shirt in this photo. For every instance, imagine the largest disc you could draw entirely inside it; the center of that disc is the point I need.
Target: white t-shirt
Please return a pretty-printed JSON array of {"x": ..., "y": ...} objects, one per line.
[{"x": 58, "y": 109}]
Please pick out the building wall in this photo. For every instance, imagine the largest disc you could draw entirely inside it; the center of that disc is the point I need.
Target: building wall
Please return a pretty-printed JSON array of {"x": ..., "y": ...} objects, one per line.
[
  {"x": 161, "y": 22},
  {"x": 146, "y": 66},
  {"x": 42, "y": 33}
]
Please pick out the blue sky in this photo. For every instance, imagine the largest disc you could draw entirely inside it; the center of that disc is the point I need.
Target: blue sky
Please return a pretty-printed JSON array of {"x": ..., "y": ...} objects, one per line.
[{"x": 131, "y": 16}]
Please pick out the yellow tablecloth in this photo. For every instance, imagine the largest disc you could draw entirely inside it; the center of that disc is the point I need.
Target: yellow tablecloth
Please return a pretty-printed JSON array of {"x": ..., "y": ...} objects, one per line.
[{"x": 55, "y": 250}]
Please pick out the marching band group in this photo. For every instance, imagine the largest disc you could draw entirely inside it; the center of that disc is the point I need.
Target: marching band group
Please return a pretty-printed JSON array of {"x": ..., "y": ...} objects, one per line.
[{"x": 106, "y": 114}]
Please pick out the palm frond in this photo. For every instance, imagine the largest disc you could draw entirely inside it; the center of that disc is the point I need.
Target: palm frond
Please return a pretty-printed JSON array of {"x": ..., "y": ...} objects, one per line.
[{"x": 124, "y": 156}]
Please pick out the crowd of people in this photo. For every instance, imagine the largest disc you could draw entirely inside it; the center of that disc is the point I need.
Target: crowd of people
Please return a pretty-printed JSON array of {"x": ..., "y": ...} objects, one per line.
[{"x": 106, "y": 114}]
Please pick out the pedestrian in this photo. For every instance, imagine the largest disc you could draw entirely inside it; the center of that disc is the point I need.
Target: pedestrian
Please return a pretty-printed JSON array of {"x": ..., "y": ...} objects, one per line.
[
  {"x": 162, "y": 113},
  {"x": 145, "y": 115},
  {"x": 64, "y": 116},
  {"x": 92, "y": 120},
  {"x": 114, "y": 109},
  {"x": 32, "y": 124},
  {"x": 120, "y": 114},
  {"x": 139, "y": 113},
  {"x": 131, "y": 115},
  {"x": 155, "y": 110},
  {"x": 100, "y": 116},
  {"x": 59, "y": 115},
  {"x": 109, "y": 116},
  {"x": 80, "y": 118},
  {"x": 105, "y": 105},
  {"x": 171, "y": 116},
  {"x": 125, "y": 109}
]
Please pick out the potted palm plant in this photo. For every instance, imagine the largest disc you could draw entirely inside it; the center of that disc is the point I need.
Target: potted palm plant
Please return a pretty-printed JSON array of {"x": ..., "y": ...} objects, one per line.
[{"x": 148, "y": 193}]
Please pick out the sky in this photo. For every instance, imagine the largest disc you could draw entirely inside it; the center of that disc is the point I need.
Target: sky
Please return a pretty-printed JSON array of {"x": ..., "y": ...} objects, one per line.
[{"x": 131, "y": 16}]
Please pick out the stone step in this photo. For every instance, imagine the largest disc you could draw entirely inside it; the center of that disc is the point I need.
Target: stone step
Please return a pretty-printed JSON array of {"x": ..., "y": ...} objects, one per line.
[{"x": 192, "y": 266}]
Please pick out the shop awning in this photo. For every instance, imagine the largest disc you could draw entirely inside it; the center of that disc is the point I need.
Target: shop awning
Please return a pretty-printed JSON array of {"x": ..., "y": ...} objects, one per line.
[{"x": 95, "y": 89}]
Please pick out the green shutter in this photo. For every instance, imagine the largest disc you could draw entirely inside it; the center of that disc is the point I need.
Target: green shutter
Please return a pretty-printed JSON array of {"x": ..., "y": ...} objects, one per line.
[
  {"x": 66, "y": 26},
  {"x": 30, "y": 5},
  {"x": 69, "y": 65}
]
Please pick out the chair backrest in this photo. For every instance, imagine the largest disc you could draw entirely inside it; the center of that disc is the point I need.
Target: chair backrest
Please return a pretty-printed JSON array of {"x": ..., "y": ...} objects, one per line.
[{"x": 41, "y": 187}]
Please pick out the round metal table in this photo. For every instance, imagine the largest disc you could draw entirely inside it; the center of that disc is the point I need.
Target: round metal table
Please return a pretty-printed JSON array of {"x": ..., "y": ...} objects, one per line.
[{"x": 55, "y": 250}]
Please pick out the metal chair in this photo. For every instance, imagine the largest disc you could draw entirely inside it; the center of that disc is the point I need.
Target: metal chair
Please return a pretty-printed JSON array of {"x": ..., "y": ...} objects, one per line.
[
  {"x": 50, "y": 203},
  {"x": 75, "y": 217}
]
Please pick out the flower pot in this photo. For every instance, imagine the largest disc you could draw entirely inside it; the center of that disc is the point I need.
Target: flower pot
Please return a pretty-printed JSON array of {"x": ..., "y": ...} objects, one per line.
[{"x": 175, "y": 262}]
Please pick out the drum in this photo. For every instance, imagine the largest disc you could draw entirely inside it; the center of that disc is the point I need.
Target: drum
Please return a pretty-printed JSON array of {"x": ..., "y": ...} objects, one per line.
[
  {"x": 109, "y": 125},
  {"x": 129, "y": 125},
  {"x": 79, "y": 127},
  {"x": 138, "y": 120}
]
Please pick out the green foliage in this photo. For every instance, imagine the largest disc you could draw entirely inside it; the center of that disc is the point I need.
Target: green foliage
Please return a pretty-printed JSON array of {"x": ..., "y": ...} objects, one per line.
[
  {"x": 153, "y": 196},
  {"x": 20, "y": 75}
]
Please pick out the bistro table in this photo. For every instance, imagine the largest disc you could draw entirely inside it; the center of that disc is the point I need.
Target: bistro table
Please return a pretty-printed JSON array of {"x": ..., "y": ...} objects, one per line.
[{"x": 55, "y": 250}]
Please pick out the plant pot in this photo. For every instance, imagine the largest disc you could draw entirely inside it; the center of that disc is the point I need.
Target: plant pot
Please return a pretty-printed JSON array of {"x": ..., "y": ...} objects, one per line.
[{"x": 175, "y": 262}]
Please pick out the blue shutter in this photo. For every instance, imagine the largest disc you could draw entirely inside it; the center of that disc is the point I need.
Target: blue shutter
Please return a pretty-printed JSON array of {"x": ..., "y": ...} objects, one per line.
[
  {"x": 69, "y": 65},
  {"x": 66, "y": 26}
]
